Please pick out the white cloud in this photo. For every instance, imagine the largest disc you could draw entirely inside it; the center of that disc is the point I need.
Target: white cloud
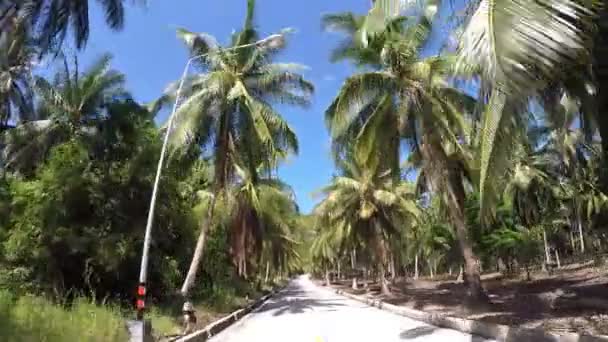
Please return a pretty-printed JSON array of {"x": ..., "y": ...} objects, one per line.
[{"x": 329, "y": 78}]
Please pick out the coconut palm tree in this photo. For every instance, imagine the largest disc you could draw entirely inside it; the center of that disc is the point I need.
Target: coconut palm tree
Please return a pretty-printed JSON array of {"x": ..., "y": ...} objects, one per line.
[
  {"x": 51, "y": 20},
  {"x": 262, "y": 221},
  {"x": 72, "y": 104},
  {"x": 17, "y": 58},
  {"x": 409, "y": 97},
  {"x": 227, "y": 107},
  {"x": 365, "y": 204},
  {"x": 521, "y": 49}
]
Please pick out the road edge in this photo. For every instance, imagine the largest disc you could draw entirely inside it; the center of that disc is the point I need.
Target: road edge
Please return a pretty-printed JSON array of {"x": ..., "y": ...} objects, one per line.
[
  {"x": 227, "y": 321},
  {"x": 498, "y": 332}
]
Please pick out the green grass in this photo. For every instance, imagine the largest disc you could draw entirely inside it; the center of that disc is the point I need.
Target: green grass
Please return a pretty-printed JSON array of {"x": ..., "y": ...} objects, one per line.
[{"x": 35, "y": 319}]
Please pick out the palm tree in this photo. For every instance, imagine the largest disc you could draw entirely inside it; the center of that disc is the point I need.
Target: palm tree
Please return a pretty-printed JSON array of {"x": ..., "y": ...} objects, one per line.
[
  {"x": 52, "y": 19},
  {"x": 262, "y": 221},
  {"x": 324, "y": 252},
  {"x": 17, "y": 58},
  {"x": 365, "y": 204},
  {"x": 521, "y": 49},
  {"x": 72, "y": 104},
  {"x": 529, "y": 193},
  {"x": 409, "y": 97},
  {"x": 227, "y": 108}
]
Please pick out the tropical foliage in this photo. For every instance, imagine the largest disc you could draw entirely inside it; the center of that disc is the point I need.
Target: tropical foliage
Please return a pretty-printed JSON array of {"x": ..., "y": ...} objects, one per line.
[
  {"x": 484, "y": 149},
  {"x": 501, "y": 132}
]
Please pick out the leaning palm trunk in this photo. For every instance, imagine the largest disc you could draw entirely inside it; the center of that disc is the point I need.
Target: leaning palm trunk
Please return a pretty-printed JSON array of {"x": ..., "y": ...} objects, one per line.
[
  {"x": 446, "y": 178},
  {"x": 267, "y": 272},
  {"x": 198, "y": 251}
]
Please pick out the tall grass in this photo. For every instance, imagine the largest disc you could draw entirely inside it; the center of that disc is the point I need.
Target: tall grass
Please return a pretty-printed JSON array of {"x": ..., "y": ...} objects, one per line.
[{"x": 35, "y": 319}]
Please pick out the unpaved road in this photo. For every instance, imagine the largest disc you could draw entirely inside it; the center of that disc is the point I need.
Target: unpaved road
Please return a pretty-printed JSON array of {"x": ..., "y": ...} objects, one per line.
[{"x": 303, "y": 312}]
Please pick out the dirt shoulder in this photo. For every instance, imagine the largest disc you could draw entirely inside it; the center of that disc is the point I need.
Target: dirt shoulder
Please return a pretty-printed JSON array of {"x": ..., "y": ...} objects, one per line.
[{"x": 573, "y": 301}]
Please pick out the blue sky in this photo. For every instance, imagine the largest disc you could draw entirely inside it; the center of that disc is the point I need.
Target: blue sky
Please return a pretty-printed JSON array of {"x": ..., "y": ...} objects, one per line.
[{"x": 148, "y": 52}]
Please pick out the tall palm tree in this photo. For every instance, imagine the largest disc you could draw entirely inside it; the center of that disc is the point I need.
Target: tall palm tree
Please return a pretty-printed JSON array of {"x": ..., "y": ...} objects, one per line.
[
  {"x": 17, "y": 58},
  {"x": 51, "y": 20},
  {"x": 409, "y": 97},
  {"x": 227, "y": 108},
  {"x": 72, "y": 104},
  {"x": 365, "y": 204},
  {"x": 262, "y": 215}
]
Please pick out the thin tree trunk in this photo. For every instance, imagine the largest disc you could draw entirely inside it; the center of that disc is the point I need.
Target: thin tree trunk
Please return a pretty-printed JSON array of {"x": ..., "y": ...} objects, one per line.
[
  {"x": 267, "y": 272},
  {"x": 580, "y": 230},
  {"x": 327, "y": 279},
  {"x": 430, "y": 269},
  {"x": 559, "y": 264},
  {"x": 416, "y": 274},
  {"x": 547, "y": 253},
  {"x": 572, "y": 242},
  {"x": 338, "y": 270},
  {"x": 460, "y": 277},
  {"x": 198, "y": 251},
  {"x": 353, "y": 264},
  {"x": 450, "y": 271},
  {"x": 393, "y": 275}
]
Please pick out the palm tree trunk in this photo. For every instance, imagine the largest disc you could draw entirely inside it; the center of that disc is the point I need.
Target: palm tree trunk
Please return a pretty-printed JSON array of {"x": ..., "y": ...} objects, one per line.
[
  {"x": 327, "y": 280},
  {"x": 460, "y": 274},
  {"x": 445, "y": 178},
  {"x": 472, "y": 272},
  {"x": 416, "y": 274},
  {"x": 384, "y": 289},
  {"x": 559, "y": 264},
  {"x": 572, "y": 242},
  {"x": 600, "y": 71},
  {"x": 579, "y": 221},
  {"x": 380, "y": 250},
  {"x": 353, "y": 264},
  {"x": 430, "y": 264},
  {"x": 547, "y": 254},
  {"x": 393, "y": 275},
  {"x": 245, "y": 276},
  {"x": 338, "y": 270},
  {"x": 267, "y": 272},
  {"x": 198, "y": 251}
]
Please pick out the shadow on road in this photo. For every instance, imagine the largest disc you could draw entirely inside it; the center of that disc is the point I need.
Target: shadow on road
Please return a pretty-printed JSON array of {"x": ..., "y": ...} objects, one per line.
[
  {"x": 416, "y": 332},
  {"x": 294, "y": 300}
]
